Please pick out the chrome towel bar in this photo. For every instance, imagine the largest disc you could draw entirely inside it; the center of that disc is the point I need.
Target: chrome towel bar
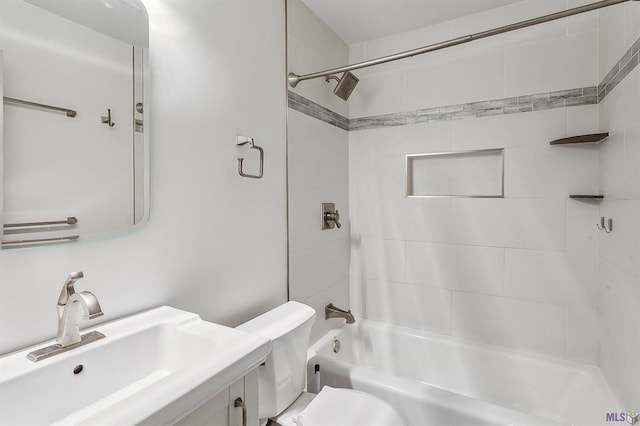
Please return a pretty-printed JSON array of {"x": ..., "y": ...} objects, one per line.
[
  {"x": 25, "y": 243},
  {"x": 68, "y": 221},
  {"x": 69, "y": 112}
]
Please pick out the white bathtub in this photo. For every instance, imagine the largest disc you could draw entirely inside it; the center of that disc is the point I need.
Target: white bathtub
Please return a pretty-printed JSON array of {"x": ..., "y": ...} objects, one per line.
[{"x": 439, "y": 380}]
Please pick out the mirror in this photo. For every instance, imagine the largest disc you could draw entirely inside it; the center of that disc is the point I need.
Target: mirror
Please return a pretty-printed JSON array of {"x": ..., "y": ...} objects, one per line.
[{"x": 75, "y": 148}]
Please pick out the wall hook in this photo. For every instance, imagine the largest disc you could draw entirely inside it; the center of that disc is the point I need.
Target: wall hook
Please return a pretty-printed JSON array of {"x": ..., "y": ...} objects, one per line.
[
  {"x": 610, "y": 223},
  {"x": 244, "y": 140},
  {"x": 606, "y": 227},
  {"x": 107, "y": 120}
]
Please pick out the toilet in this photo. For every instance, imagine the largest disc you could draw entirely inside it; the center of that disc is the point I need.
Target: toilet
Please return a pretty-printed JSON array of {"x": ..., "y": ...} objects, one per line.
[{"x": 282, "y": 379}]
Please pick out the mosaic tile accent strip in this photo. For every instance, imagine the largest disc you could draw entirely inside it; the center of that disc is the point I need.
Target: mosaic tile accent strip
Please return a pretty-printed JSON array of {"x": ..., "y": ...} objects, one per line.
[
  {"x": 536, "y": 102},
  {"x": 312, "y": 109},
  {"x": 519, "y": 104},
  {"x": 623, "y": 68}
]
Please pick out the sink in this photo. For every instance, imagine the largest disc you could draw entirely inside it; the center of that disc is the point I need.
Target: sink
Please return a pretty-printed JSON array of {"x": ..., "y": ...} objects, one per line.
[{"x": 156, "y": 366}]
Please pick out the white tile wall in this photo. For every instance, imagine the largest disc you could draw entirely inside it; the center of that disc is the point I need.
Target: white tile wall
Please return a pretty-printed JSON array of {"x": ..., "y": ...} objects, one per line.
[
  {"x": 619, "y": 331},
  {"x": 457, "y": 267},
  {"x": 632, "y": 161},
  {"x": 611, "y": 38},
  {"x": 535, "y": 224},
  {"x": 379, "y": 260},
  {"x": 582, "y": 334},
  {"x": 619, "y": 264},
  {"x": 478, "y": 221},
  {"x": 455, "y": 81},
  {"x": 518, "y": 223},
  {"x": 555, "y": 277},
  {"x": 314, "y": 46},
  {"x": 318, "y": 153},
  {"x": 532, "y": 172},
  {"x": 379, "y": 93},
  {"x": 510, "y": 131},
  {"x": 620, "y": 247},
  {"x": 403, "y": 219},
  {"x": 582, "y": 234},
  {"x": 561, "y": 63},
  {"x": 317, "y": 172},
  {"x": 426, "y": 308},
  {"x": 539, "y": 327},
  {"x": 521, "y": 271},
  {"x": 337, "y": 294},
  {"x": 631, "y": 23},
  {"x": 611, "y": 159},
  {"x": 583, "y": 119},
  {"x": 305, "y": 222}
]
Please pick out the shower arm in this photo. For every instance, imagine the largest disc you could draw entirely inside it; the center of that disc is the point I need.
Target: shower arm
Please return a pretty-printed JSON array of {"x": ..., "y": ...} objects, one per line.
[{"x": 294, "y": 79}]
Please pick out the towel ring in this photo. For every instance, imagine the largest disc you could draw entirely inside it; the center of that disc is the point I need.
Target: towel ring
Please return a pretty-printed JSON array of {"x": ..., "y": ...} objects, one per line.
[{"x": 244, "y": 140}]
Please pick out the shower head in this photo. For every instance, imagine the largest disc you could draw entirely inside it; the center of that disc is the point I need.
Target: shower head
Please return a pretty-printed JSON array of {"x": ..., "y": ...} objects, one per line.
[{"x": 346, "y": 84}]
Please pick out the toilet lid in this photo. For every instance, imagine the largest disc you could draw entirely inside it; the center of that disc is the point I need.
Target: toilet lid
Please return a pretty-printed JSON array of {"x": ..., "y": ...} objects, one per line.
[{"x": 347, "y": 407}]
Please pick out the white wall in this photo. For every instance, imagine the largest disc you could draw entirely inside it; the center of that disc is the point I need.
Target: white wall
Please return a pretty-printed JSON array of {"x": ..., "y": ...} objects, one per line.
[
  {"x": 519, "y": 271},
  {"x": 619, "y": 278},
  {"x": 318, "y": 172},
  {"x": 215, "y": 242}
]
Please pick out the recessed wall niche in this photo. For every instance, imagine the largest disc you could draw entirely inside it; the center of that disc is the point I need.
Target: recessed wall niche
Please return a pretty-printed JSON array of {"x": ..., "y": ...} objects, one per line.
[{"x": 473, "y": 174}]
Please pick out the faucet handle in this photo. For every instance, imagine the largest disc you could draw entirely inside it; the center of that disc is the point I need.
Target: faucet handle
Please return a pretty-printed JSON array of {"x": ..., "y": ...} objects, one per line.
[
  {"x": 68, "y": 288},
  {"x": 336, "y": 219}
]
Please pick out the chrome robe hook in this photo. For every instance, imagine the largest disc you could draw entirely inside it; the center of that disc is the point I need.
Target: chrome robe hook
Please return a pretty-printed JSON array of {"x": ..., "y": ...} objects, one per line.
[
  {"x": 107, "y": 120},
  {"x": 608, "y": 227}
]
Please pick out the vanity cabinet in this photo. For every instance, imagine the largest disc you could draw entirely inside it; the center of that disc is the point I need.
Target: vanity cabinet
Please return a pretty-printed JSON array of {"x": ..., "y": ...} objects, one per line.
[{"x": 221, "y": 409}]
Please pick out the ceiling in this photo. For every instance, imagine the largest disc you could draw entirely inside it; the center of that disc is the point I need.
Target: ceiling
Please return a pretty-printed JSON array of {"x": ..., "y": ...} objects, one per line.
[
  {"x": 124, "y": 20},
  {"x": 356, "y": 21}
]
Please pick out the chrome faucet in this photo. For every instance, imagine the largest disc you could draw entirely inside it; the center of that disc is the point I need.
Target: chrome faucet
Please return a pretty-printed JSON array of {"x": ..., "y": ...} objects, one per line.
[
  {"x": 331, "y": 311},
  {"x": 70, "y": 306}
]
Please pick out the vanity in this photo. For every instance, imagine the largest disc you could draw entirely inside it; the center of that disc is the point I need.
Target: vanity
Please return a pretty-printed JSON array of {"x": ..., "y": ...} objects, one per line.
[{"x": 163, "y": 366}]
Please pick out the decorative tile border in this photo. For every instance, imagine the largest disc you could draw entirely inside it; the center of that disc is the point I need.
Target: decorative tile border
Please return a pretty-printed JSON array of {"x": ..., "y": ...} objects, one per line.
[
  {"x": 623, "y": 68},
  {"x": 529, "y": 103},
  {"x": 537, "y": 102},
  {"x": 312, "y": 109}
]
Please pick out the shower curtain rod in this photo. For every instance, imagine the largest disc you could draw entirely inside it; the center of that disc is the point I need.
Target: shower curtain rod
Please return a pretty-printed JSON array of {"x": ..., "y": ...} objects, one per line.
[{"x": 294, "y": 79}]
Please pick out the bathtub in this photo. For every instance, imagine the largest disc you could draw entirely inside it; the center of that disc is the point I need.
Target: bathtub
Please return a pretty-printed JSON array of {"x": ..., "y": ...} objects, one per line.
[{"x": 434, "y": 379}]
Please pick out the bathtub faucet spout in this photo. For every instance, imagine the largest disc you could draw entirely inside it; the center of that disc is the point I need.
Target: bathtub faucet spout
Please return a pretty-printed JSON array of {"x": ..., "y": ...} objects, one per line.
[{"x": 331, "y": 311}]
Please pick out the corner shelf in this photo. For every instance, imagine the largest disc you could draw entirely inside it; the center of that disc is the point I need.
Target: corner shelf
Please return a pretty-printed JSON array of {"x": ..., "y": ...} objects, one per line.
[
  {"x": 593, "y": 138},
  {"x": 587, "y": 197}
]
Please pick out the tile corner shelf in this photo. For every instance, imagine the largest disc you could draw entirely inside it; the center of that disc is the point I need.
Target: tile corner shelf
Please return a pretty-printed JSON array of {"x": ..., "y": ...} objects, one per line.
[
  {"x": 592, "y": 138},
  {"x": 587, "y": 197}
]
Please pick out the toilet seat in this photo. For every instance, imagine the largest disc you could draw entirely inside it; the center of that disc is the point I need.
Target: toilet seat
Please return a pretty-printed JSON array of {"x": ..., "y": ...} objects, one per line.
[{"x": 347, "y": 407}]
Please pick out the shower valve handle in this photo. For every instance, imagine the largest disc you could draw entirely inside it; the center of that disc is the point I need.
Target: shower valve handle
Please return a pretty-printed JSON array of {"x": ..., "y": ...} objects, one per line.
[{"x": 333, "y": 217}]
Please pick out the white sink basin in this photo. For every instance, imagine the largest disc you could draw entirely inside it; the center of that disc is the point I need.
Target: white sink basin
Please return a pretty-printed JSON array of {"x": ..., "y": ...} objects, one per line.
[{"x": 156, "y": 366}]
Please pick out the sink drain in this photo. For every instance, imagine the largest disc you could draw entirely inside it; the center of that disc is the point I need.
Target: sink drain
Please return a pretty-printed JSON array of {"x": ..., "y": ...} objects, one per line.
[
  {"x": 336, "y": 346},
  {"x": 78, "y": 369}
]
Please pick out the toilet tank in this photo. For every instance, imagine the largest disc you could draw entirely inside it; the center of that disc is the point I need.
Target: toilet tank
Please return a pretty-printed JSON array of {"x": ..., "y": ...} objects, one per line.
[{"x": 282, "y": 376}]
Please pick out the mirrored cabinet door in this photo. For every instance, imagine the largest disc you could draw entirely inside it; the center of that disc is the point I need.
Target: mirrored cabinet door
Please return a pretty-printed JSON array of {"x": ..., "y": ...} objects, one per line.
[{"x": 74, "y": 141}]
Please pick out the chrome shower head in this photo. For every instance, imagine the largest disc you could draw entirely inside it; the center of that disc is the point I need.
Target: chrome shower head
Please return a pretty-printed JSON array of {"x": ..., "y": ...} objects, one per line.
[{"x": 346, "y": 84}]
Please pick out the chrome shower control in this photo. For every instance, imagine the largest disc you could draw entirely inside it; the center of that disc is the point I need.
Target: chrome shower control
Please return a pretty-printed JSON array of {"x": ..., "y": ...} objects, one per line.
[
  {"x": 333, "y": 217},
  {"x": 330, "y": 216}
]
